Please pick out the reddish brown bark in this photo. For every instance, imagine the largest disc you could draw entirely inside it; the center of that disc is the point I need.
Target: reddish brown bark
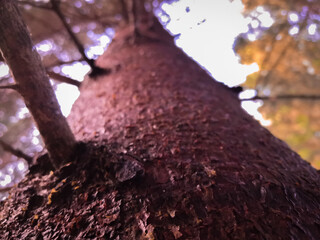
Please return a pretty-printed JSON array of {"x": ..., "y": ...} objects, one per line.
[
  {"x": 170, "y": 155},
  {"x": 33, "y": 83},
  {"x": 211, "y": 171}
]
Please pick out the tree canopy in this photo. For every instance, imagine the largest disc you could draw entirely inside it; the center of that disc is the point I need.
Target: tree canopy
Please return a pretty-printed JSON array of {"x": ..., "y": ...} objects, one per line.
[{"x": 288, "y": 55}]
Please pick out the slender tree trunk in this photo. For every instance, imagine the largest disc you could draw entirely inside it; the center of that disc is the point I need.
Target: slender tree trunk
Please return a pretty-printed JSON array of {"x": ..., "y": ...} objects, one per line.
[
  {"x": 170, "y": 155},
  {"x": 33, "y": 83}
]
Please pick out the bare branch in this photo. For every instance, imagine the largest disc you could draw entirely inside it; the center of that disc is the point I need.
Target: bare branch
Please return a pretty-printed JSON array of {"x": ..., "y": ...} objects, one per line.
[
  {"x": 281, "y": 55},
  {"x": 56, "y": 9},
  {"x": 10, "y": 86},
  {"x": 94, "y": 69},
  {"x": 283, "y": 97},
  {"x": 15, "y": 152},
  {"x": 278, "y": 60},
  {"x": 5, "y": 189},
  {"x": 34, "y": 85},
  {"x": 64, "y": 79}
]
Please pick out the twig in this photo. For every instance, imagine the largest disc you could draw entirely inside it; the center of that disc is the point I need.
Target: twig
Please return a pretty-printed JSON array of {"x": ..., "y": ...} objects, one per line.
[
  {"x": 10, "y": 86},
  {"x": 135, "y": 14},
  {"x": 64, "y": 79},
  {"x": 34, "y": 84},
  {"x": 283, "y": 97},
  {"x": 95, "y": 71},
  {"x": 5, "y": 189},
  {"x": 281, "y": 54},
  {"x": 16, "y": 152},
  {"x": 278, "y": 60},
  {"x": 266, "y": 58},
  {"x": 56, "y": 9}
]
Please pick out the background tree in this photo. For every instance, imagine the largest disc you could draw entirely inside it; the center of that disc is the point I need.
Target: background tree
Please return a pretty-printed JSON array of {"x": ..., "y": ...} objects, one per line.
[
  {"x": 32, "y": 83},
  {"x": 288, "y": 55},
  {"x": 163, "y": 157}
]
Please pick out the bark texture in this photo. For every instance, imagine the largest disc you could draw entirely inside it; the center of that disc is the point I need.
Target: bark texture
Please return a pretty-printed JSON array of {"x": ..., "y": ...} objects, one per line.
[
  {"x": 169, "y": 154},
  {"x": 33, "y": 83},
  {"x": 211, "y": 171}
]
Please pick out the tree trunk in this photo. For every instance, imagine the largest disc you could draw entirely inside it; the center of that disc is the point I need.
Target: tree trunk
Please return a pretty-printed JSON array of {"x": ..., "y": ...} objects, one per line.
[
  {"x": 170, "y": 155},
  {"x": 33, "y": 83}
]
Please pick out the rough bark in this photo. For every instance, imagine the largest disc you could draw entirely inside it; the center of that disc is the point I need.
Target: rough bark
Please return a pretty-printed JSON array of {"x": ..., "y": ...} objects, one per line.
[
  {"x": 33, "y": 83},
  {"x": 169, "y": 154}
]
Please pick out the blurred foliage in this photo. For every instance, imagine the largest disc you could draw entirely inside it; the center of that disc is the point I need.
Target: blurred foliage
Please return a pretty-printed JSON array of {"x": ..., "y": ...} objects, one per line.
[
  {"x": 297, "y": 122},
  {"x": 17, "y": 130},
  {"x": 288, "y": 54}
]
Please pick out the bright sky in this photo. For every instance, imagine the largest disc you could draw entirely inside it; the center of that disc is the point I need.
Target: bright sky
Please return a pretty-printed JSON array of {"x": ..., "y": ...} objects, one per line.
[
  {"x": 4, "y": 69},
  {"x": 208, "y": 30}
]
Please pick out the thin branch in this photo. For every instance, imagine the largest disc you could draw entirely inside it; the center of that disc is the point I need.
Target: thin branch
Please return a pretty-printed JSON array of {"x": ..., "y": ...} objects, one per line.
[
  {"x": 283, "y": 97},
  {"x": 54, "y": 6},
  {"x": 125, "y": 12},
  {"x": 56, "y": 9},
  {"x": 281, "y": 54},
  {"x": 134, "y": 15},
  {"x": 64, "y": 79},
  {"x": 95, "y": 70},
  {"x": 267, "y": 58},
  {"x": 10, "y": 86},
  {"x": 278, "y": 60},
  {"x": 36, "y": 5},
  {"x": 44, "y": 23},
  {"x": 5, "y": 189},
  {"x": 14, "y": 151}
]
